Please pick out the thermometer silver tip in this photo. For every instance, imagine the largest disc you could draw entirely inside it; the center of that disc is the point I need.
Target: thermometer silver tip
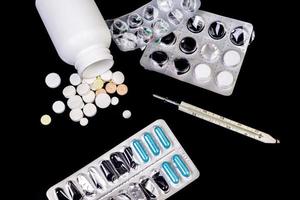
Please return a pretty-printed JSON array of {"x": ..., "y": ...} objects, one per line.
[{"x": 166, "y": 100}]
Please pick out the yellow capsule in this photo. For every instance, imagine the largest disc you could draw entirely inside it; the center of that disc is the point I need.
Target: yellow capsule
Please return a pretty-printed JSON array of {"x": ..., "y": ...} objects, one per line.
[
  {"x": 97, "y": 84},
  {"x": 45, "y": 120}
]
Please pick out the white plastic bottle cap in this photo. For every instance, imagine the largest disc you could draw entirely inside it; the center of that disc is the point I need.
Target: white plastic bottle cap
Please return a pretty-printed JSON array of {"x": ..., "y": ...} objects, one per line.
[
  {"x": 89, "y": 80},
  {"x": 76, "y": 115},
  {"x": 231, "y": 58},
  {"x": 90, "y": 110},
  {"x": 84, "y": 121},
  {"x": 225, "y": 79},
  {"x": 202, "y": 72},
  {"x": 89, "y": 97},
  {"x": 45, "y": 120},
  {"x": 69, "y": 91},
  {"x": 75, "y": 102},
  {"x": 126, "y": 114},
  {"x": 114, "y": 101},
  {"x": 103, "y": 100},
  {"x": 118, "y": 77},
  {"x": 58, "y": 107},
  {"x": 53, "y": 80},
  {"x": 83, "y": 89},
  {"x": 106, "y": 76},
  {"x": 75, "y": 79}
]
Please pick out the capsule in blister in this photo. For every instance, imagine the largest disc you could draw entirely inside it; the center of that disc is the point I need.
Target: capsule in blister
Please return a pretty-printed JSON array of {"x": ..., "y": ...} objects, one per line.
[
  {"x": 175, "y": 17},
  {"x": 151, "y": 144},
  {"x": 161, "y": 182},
  {"x": 164, "y": 140},
  {"x": 182, "y": 66},
  {"x": 150, "y": 13},
  {"x": 149, "y": 189},
  {"x": 196, "y": 24},
  {"x": 135, "y": 20},
  {"x": 61, "y": 195},
  {"x": 85, "y": 185},
  {"x": 73, "y": 191},
  {"x": 119, "y": 27},
  {"x": 188, "y": 45},
  {"x": 136, "y": 192},
  {"x": 165, "y": 5},
  {"x": 141, "y": 150},
  {"x": 160, "y": 28},
  {"x": 109, "y": 171},
  {"x": 189, "y": 5},
  {"x": 170, "y": 172},
  {"x": 239, "y": 36},
  {"x": 119, "y": 162},
  {"x": 217, "y": 30},
  {"x": 129, "y": 157},
  {"x": 159, "y": 57},
  {"x": 168, "y": 39},
  {"x": 95, "y": 177},
  {"x": 181, "y": 166}
]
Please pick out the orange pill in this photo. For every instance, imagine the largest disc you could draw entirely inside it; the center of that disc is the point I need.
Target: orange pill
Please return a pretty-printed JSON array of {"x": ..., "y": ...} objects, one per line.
[
  {"x": 122, "y": 89},
  {"x": 100, "y": 91},
  {"x": 111, "y": 88}
]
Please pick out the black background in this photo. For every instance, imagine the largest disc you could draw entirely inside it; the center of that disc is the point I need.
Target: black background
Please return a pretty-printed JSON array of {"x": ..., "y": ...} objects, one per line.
[{"x": 231, "y": 165}]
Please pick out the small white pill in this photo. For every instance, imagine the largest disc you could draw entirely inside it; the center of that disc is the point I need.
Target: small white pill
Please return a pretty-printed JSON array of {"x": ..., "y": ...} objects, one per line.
[
  {"x": 75, "y": 79},
  {"x": 83, "y": 89},
  {"x": 84, "y": 121},
  {"x": 118, "y": 77},
  {"x": 53, "y": 80},
  {"x": 89, "y": 97},
  {"x": 103, "y": 100},
  {"x": 90, "y": 110},
  {"x": 58, "y": 107},
  {"x": 106, "y": 76},
  {"x": 114, "y": 101},
  {"x": 126, "y": 114},
  {"x": 69, "y": 91},
  {"x": 45, "y": 120},
  {"x": 202, "y": 72},
  {"x": 231, "y": 58},
  {"x": 225, "y": 79},
  {"x": 75, "y": 102},
  {"x": 76, "y": 115},
  {"x": 89, "y": 81}
]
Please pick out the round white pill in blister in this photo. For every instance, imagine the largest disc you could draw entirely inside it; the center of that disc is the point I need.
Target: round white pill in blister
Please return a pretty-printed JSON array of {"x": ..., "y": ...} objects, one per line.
[
  {"x": 118, "y": 77},
  {"x": 75, "y": 79},
  {"x": 103, "y": 100},
  {"x": 231, "y": 58},
  {"x": 83, "y": 89},
  {"x": 69, "y": 91},
  {"x": 75, "y": 102},
  {"x": 76, "y": 115},
  {"x": 126, "y": 114},
  {"x": 90, "y": 110},
  {"x": 202, "y": 72},
  {"x": 58, "y": 107},
  {"x": 84, "y": 121},
  {"x": 114, "y": 101},
  {"x": 225, "y": 79},
  {"x": 106, "y": 76},
  {"x": 89, "y": 97},
  {"x": 53, "y": 80}
]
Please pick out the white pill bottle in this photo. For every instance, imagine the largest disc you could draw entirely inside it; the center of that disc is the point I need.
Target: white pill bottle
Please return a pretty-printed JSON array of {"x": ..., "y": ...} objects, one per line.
[{"x": 79, "y": 34}]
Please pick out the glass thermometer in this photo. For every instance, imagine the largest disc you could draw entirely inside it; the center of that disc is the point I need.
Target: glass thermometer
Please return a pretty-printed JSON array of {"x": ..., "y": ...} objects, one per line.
[{"x": 221, "y": 121}]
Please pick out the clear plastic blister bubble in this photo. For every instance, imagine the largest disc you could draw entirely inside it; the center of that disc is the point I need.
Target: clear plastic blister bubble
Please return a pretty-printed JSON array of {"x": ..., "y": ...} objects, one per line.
[
  {"x": 207, "y": 50},
  {"x": 149, "y": 165},
  {"x": 152, "y": 21}
]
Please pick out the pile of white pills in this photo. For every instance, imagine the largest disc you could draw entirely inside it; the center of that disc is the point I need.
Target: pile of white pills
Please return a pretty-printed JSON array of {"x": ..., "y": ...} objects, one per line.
[{"x": 86, "y": 96}]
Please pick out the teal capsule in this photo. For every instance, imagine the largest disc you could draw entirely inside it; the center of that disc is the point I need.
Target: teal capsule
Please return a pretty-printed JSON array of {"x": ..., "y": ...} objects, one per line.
[
  {"x": 170, "y": 172},
  {"x": 152, "y": 144},
  {"x": 162, "y": 137},
  {"x": 140, "y": 150},
  {"x": 181, "y": 165}
]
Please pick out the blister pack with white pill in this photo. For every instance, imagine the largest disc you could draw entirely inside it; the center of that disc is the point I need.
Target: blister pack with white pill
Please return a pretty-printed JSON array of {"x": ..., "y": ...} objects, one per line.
[
  {"x": 150, "y": 22},
  {"x": 207, "y": 51},
  {"x": 147, "y": 166}
]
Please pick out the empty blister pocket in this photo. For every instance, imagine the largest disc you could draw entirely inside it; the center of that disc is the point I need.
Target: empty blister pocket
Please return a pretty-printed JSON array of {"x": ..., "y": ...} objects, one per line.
[
  {"x": 149, "y": 165},
  {"x": 207, "y": 51},
  {"x": 150, "y": 22}
]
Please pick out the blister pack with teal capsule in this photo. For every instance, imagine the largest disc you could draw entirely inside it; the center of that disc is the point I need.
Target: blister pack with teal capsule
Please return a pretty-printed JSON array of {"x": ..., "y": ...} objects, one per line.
[{"x": 150, "y": 165}]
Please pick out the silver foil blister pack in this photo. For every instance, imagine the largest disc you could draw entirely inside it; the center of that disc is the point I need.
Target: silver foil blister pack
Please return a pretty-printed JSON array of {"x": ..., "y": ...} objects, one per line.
[
  {"x": 150, "y": 22},
  {"x": 207, "y": 51},
  {"x": 149, "y": 165}
]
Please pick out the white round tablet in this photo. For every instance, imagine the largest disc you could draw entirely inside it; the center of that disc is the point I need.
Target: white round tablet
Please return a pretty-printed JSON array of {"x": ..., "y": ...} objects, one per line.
[
  {"x": 114, "y": 101},
  {"x": 89, "y": 80},
  {"x": 225, "y": 79},
  {"x": 103, "y": 100},
  {"x": 75, "y": 79},
  {"x": 45, "y": 120},
  {"x": 202, "y": 72},
  {"x": 53, "y": 80},
  {"x": 126, "y": 114},
  {"x": 89, "y": 97},
  {"x": 76, "y": 115},
  {"x": 118, "y": 77},
  {"x": 69, "y": 91},
  {"x": 106, "y": 76},
  {"x": 90, "y": 110},
  {"x": 231, "y": 58},
  {"x": 84, "y": 121},
  {"x": 83, "y": 89},
  {"x": 58, "y": 107},
  {"x": 75, "y": 102}
]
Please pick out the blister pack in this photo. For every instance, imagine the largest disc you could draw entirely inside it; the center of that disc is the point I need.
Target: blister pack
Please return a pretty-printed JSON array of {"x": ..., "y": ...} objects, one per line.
[
  {"x": 150, "y": 22},
  {"x": 150, "y": 165},
  {"x": 207, "y": 51}
]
